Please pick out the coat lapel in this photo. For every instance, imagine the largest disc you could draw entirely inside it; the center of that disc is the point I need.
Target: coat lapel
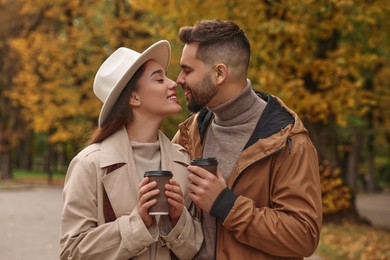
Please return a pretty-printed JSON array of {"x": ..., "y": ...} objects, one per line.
[
  {"x": 175, "y": 159},
  {"x": 171, "y": 154},
  {"x": 122, "y": 190},
  {"x": 121, "y": 185}
]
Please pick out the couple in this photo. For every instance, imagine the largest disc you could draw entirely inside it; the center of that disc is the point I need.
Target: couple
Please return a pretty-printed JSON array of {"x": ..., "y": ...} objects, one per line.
[{"x": 264, "y": 202}]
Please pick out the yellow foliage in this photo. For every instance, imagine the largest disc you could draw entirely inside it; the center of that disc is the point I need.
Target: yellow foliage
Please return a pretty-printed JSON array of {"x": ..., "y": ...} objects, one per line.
[
  {"x": 60, "y": 57},
  {"x": 349, "y": 240},
  {"x": 336, "y": 196},
  {"x": 315, "y": 54},
  {"x": 318, "y": 56}
]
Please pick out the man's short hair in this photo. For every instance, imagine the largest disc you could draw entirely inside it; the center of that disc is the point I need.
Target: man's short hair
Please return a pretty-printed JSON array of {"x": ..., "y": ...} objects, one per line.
[{"x": 218, "y": 41}]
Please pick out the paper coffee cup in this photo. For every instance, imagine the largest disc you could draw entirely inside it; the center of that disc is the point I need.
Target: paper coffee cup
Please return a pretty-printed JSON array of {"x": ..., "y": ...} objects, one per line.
[
  {"x": 162, "y": 178},
  {"x": 210, "y": 164}
]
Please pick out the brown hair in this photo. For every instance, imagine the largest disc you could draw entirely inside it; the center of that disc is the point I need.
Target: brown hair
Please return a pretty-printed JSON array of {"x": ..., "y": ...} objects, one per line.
[
  {"x": 121, "y": 114},
  {"x": 219, "y": 41}
]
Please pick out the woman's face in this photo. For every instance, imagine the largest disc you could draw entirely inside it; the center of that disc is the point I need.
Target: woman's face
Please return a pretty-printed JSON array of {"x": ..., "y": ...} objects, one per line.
[{"x": 156, "y": 93}]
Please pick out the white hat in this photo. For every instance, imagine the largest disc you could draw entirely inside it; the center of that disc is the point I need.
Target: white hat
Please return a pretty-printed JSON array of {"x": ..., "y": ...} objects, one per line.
[{"x": 119, "y": 67}]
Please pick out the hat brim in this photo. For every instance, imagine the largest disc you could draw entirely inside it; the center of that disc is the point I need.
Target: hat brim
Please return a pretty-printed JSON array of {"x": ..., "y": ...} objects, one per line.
[{"x": 159, "y": 52}]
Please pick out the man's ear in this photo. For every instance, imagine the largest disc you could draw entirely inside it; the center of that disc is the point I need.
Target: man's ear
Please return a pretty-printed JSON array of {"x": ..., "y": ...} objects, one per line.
[
  {"x": 220, "y": 73},
  {"x": 134, "y": 100}
]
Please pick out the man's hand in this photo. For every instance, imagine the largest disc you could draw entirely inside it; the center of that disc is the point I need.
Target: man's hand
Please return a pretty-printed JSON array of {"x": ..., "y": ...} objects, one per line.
[{"x": 204, "y": 187}]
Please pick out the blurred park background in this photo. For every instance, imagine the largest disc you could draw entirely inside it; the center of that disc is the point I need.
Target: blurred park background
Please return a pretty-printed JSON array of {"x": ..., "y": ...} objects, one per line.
[{"x": 329, "y": 60}]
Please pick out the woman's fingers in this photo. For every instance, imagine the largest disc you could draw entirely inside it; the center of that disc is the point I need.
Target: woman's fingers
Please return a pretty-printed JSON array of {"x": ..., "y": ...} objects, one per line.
[
  {"x": 146, "y": 193},
  {"x": 173, "y": 191}
]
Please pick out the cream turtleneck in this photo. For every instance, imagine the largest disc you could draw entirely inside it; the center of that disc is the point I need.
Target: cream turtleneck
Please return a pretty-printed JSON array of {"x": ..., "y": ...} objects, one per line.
[{"x": 147, "y": 157}]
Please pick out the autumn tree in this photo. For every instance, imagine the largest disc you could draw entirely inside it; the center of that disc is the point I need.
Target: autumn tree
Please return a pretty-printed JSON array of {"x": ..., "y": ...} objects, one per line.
[
  {"x": 11, "y": 125},
  {"x": 328, "y": 60},
  {"x": 59, "y": 59}
]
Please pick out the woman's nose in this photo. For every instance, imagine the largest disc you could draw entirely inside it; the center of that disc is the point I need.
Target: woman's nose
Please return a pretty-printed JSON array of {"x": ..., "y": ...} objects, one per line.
[{"x": 172, "y": 84}]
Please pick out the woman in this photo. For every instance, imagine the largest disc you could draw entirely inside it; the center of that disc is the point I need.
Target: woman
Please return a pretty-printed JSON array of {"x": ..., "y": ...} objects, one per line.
[{"x": 106, "y": 197}]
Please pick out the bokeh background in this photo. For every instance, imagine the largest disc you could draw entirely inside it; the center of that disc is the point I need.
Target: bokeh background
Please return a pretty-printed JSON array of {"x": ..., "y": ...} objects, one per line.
[{"x": 328, "y": 60}]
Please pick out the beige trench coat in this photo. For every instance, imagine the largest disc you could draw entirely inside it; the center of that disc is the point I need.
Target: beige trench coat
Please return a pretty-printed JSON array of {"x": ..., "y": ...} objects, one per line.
[{"x": 84, "y": 233}]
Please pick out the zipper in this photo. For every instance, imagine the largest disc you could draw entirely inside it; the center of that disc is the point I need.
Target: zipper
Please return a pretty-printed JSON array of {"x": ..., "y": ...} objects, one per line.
[
  {"x": 205, "y": 133},
  {"x": 216, "y": 239}
]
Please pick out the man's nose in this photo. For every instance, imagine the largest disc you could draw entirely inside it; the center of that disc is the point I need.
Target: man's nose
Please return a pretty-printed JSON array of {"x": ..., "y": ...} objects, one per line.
[{"x": 180, "y": 78}]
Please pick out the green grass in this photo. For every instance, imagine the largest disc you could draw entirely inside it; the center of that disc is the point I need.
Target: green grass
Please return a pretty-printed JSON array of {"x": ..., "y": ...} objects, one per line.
[
  {"x": 34, "y": 177},
  {"x": 24, "y": 179}
]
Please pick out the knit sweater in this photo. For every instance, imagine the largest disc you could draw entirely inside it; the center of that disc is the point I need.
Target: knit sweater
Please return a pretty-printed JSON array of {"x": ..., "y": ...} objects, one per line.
[
  {"x": 147, "y": 157},
  {"x": 233, "y": 123}
]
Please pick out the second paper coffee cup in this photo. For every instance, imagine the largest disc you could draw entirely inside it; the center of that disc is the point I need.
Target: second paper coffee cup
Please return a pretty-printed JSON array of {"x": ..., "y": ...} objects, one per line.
[
  {"x": 210, "y": 164},
  {"x": 162, "y": 178}
]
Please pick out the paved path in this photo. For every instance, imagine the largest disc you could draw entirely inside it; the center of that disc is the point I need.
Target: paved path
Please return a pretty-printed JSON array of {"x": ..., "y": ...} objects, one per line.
[
  {"x": 376, "y": 208},
  {"x": 30, "y": 221}
]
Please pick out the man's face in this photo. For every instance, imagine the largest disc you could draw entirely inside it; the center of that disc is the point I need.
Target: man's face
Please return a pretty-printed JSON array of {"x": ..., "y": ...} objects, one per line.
[{"x": 195, "y": 79}]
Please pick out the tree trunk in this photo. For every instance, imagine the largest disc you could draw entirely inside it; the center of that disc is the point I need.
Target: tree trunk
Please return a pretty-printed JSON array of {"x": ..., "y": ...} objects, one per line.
[
  {"x": 5, "y": 166},
  {"x": 353, "y": 160},
  {"x": 325, "y": 140},
  {"x": 24, "y": 153},
  {"x": 5, "y": 154},
  {"x": 371, "y": 169},
  {"x": 48, "y": 162},
  {"x": 371, "y": 155}
]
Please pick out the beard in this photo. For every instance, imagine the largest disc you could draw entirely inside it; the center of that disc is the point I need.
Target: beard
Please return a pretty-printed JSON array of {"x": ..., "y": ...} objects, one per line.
[
  {"x": 201, "y": 94},
  {"x": 193, "y": 106}
]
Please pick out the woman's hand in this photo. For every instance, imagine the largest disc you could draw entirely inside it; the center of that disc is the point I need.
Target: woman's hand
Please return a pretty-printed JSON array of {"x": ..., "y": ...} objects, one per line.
[
  {"x": 146, "y": 192},
  {"x": 175, "y": 199}
]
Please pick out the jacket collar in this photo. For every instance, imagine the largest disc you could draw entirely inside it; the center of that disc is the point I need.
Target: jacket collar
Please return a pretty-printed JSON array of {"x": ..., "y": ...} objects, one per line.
[{"x": 274, "y": 118}]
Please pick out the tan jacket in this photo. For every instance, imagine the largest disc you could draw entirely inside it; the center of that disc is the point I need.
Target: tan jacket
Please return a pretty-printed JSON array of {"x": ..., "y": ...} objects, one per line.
[
  {"x": 84, "y": 233},
  {"x": 272, "y": 207}
]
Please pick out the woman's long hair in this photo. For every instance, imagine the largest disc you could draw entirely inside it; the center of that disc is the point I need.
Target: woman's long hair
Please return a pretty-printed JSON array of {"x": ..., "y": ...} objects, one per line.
[{"x": 121, "y": 114}]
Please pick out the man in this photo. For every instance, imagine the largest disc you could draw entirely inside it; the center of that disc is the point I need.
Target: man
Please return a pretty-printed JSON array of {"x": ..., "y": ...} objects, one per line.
[{"x": 265, "y": 201}]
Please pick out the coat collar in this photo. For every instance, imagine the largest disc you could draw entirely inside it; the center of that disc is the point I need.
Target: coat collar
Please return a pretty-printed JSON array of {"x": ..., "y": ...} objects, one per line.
[{"x": 116, "y": 149}]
